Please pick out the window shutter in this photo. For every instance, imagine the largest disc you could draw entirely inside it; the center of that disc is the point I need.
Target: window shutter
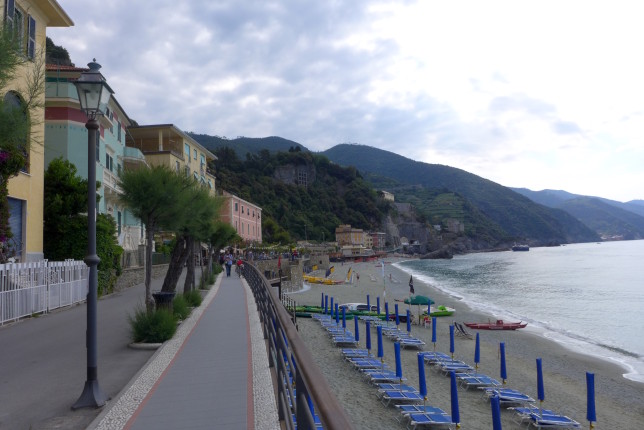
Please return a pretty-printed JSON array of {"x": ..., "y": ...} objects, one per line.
[
  {"x": 31, "y": 45},
  {"x": 9, "y": 10}
]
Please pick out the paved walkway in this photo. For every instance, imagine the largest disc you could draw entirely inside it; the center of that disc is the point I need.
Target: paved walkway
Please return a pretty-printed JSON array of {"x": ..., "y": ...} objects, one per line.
[
  {"x": 212, "y": 375},
  {"x": 203, "y": 376}
]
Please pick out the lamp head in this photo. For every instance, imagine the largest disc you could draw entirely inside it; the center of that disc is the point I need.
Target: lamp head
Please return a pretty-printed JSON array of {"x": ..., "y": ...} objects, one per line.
[{"x": 93, "y": 91}]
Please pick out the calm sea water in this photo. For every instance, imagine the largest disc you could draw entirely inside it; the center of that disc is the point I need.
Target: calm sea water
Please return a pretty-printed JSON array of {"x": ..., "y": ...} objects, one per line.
[{"x": 589, "y": 297}]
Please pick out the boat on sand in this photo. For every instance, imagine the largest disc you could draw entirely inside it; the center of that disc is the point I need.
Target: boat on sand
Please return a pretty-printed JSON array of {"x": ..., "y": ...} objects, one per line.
[{"x": 497, "y": 325}]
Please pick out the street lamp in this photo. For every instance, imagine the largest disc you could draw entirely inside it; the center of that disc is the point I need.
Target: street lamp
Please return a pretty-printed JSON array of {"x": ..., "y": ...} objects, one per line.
[{"x": 93, "y": 95}]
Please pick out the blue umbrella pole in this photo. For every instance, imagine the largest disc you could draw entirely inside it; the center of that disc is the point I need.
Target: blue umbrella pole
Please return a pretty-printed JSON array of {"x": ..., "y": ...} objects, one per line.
[{"x": 591, "y": 416}]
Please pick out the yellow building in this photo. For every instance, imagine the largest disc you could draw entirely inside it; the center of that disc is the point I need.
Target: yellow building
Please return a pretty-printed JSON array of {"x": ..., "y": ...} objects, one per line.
[
  {"x": 165, "y": 144},
  {"x": 30, "y": 19},
  {"x": 346, "y": 235}
]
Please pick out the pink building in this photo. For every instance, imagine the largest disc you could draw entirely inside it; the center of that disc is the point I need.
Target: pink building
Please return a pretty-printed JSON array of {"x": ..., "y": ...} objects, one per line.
[{"x": 245, "y": 217}]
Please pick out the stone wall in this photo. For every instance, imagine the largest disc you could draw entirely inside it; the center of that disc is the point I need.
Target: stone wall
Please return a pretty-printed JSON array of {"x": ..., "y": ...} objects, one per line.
[{"x": 136, "y": 275}]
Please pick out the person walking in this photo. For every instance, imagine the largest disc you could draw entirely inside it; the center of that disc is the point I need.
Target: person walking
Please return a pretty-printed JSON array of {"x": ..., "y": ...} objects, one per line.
[{"x": 229, "y": 264}]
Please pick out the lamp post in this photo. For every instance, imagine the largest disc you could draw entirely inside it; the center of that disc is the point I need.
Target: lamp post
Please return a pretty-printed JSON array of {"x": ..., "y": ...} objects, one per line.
[{"x": 93, "y": 95}]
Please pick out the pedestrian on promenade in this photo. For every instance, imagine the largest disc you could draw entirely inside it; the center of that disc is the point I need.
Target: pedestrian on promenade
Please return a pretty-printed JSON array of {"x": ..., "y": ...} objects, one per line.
[{"x": 229, "y": 264}]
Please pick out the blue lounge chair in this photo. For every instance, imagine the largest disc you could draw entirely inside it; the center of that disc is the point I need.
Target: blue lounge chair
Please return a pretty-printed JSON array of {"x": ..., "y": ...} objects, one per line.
[
  {"x": 366, "y": 363},
  {"x": 508, "y": 396},
  {"x": 476, "y": 380},
  {"x": 552, "y": 421},
  {"x": 455, "y": 366},
  {"x": 523, "y": 413},
  {"x": 431, "y": 357},
  {"x": 344, "y": 340},
  {"x": 420, "y": 409},
  {"x": 377, "y": 376},
  {"x": 411, "y": 342},
  {"x": 392, "y": 386},
  {"x": 355, "y": 352},
  {"x": 430, "y": 420},
  {"x": 396, "y": 397}
]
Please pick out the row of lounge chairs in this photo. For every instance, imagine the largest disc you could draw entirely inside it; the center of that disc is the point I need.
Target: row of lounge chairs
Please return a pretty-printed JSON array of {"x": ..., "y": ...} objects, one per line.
[
  {"x": 522, "y": 404},
  {"x": 391, "y": 388}
]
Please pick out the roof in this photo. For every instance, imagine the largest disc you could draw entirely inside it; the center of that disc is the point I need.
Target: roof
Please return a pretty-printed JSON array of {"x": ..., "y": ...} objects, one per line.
[{"x": 56, "y": 14}]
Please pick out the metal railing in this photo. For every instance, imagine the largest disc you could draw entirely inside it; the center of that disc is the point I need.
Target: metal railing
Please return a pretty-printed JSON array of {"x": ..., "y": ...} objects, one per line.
[
  {"x": 302, "y": 390},
  {"x": 36, "y": 287}
]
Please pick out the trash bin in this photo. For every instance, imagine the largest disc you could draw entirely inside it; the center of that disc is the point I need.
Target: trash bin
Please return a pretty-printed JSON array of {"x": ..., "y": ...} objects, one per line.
[{"x": 163, "y": 299}]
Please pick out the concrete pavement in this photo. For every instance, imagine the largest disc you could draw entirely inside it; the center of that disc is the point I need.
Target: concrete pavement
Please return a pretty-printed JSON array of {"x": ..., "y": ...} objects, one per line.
[{"x": 43, "y": 367}]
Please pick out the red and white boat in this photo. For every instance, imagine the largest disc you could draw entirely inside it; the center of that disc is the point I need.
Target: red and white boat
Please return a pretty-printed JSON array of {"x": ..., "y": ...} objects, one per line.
[{"x": 498, "y": 325}]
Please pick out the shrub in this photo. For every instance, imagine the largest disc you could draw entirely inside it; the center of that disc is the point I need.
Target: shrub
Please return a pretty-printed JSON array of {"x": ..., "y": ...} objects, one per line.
[
  {"x": 155, "y": 326},
  {"x": 193, "y": 298},
  {"x": 180, "y": 307}
]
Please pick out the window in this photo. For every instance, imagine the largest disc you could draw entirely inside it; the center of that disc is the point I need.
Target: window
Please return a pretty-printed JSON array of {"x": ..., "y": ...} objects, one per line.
[
  {"x": 31, "y": 41},
  {"x": 119, "y": 131},
  {"x": 109, "y": 162},
  {"x": 13, "y": 102},
  {"x": 195, "y": 153},
  {"x": 118, "y": 222},
  {"x": 178, "y": 167},
  {"x": 236, "y": 207},
  {"x": 242, "y": 209},
  {"x": 186, "y": 151}
]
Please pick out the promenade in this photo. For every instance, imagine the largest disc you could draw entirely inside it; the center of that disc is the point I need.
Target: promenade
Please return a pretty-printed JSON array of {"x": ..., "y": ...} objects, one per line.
[{"x": 212, "y": 374}]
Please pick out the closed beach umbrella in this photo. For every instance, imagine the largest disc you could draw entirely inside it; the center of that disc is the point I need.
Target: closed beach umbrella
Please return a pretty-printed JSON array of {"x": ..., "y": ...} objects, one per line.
[
  {"x": 434, "y": 332},
  {"x": 456, "y": 417},
  {"x": 397, "y": 318},
  {"x": 322, "y": 300},
  {"x": 477, "y": 352},
  {"x": 422, "y": 382},
  {"x": 398, "y": 362},
  {"x": 355, "y": 325},
  {"x": 378, "y": 305},
  {"x": 504, "y": 370},
  {"x": 408, "y": 321},
  {"x": 451, "y": 340},
  {"x": 387, "y": 312},
  {"x": 337, "y": 315},
  {"x": 326, "y": 305},
  {"x": 541, "y": 393},
  {"x": 368, "y": 304},
  {"x": 590, "y": 398},
  {"x": 368, "y": 336},
  {"x": 344, "y": 318},
  {"x": 331, "y": 306},
  {"x": 496, "y": 412},
  {"x": 381, "y": 353}
]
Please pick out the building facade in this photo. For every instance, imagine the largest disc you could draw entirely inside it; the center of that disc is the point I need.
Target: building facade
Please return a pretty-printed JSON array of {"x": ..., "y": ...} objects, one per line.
[
  {"x": 167, "y": 145},
  {"x": 29, "y": 20},
  {"x": 66, "y": 137},
  {"x": 346, "y": 235},
  {"x": 244, "y": 216}
]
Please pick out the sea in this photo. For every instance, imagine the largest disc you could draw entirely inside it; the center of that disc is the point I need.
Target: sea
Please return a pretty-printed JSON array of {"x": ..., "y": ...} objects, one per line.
[{"x": 589, "y": 297}]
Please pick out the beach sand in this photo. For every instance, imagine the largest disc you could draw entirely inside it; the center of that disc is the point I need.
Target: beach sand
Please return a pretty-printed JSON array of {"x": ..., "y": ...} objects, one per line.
[{"x": 619, "y": 402}]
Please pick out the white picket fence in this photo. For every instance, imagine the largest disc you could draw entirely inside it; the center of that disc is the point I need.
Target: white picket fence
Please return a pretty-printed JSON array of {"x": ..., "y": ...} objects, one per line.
[{"x": 36, "y": 287}]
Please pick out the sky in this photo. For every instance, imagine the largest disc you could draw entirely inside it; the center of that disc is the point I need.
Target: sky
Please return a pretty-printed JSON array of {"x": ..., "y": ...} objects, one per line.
[{"x": 541, "y": 95}]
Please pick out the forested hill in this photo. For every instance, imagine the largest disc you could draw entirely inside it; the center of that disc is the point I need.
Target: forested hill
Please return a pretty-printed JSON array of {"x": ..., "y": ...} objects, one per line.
[
  {"x": 243, "y": 145},
  {"x": 302, "y": 195},
  {"x": 517, "y": 215}
]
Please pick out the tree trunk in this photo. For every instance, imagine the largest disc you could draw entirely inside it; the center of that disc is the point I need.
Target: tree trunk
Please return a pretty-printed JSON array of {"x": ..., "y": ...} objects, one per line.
[
  {"x": 149, "y": 301},
  {"x": 177, "y": 260},
  {"x": 190, "y": 266}
]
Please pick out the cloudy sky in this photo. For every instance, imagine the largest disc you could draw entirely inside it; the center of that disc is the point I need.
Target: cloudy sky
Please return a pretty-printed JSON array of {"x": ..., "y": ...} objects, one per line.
[{"x": 546, "y": 94}]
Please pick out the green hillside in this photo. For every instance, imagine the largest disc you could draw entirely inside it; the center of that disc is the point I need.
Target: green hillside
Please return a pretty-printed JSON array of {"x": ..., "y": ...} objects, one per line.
[
  {"x": 334, "y": 195},
  {"x": 609, "y": 218},
  {"x": 517, "y": 216},
  {"x": 609, "y": 221}
]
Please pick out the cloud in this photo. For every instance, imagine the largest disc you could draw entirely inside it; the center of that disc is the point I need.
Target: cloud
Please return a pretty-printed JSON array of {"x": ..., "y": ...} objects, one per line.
[{"x": 474, "y": 86}]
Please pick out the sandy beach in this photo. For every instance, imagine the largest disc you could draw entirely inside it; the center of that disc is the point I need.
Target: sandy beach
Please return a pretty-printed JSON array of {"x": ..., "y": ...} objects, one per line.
[{"x": 618, "y": 400}]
